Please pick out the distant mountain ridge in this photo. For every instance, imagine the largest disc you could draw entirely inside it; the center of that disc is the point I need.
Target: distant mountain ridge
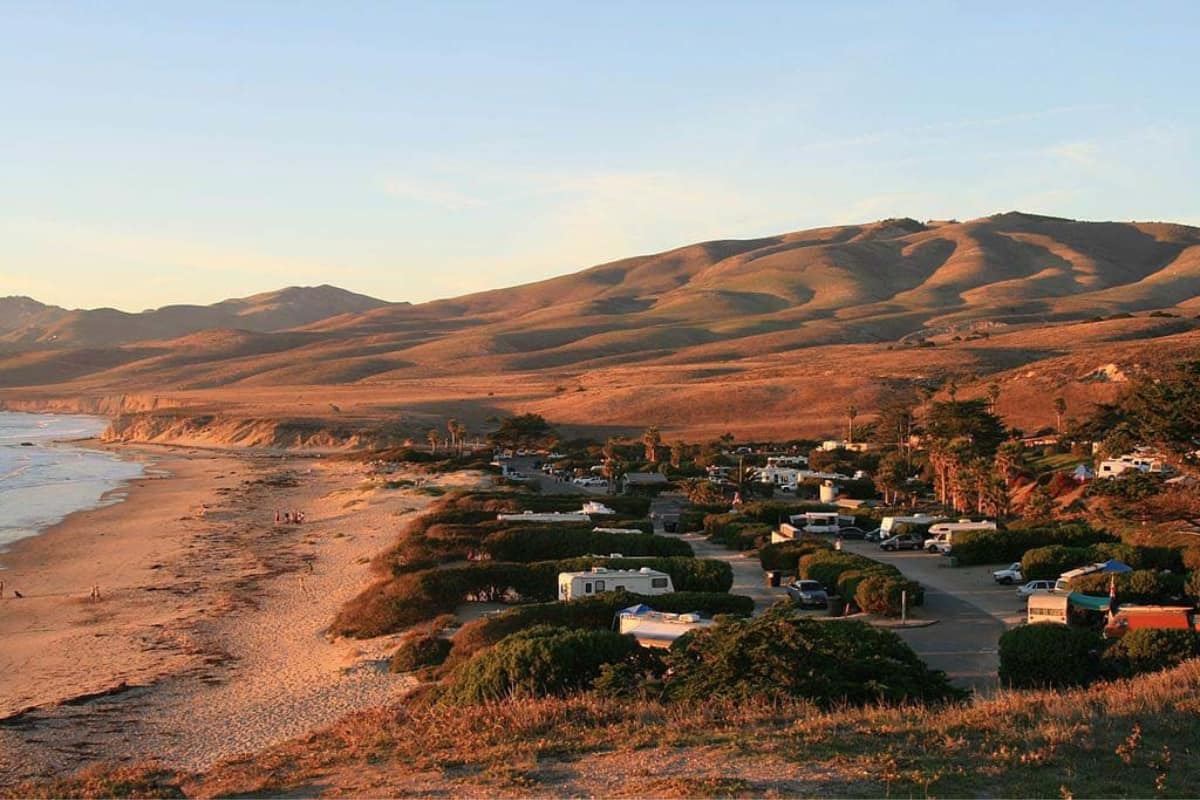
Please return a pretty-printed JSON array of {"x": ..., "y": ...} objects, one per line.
[{"x": 27, "y": 324}]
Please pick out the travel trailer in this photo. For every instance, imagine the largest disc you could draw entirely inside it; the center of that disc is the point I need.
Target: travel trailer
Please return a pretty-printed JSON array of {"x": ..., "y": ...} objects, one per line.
[
  {"x": 657, "y": 629},
  {"x": 598, "y": 580},
  {"x": 551, "y": 516},
  {"x": 941, "y": 535}
]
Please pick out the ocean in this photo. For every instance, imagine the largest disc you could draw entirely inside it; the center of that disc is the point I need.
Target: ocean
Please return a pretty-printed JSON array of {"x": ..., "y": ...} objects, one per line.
[{"x": 43, "y": 477}]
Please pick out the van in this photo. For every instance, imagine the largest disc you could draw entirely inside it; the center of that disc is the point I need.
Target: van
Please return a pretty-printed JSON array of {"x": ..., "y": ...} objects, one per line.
[{"x": 941, "y": 535}]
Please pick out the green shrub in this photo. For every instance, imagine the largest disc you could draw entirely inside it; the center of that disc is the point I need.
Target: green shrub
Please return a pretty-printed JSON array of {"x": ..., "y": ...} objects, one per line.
[
  {"x": 416, "y": 597},
  {"x": 882, "y": 594},
  {"x": 1047, "y": 563},
  {"x": 588, "y": 613},
  {"x": 776, "y": 656},
  {"x": 995, "y": 547},
  {"x": 420, "y": 652},
  {"x": 543, "y": 660},
  {"x": 1149, "y": 650},
  {"x": 785, "y": 556},
  {"x": 1191, "y": 586},
  {"x": 547, "y": 541},
  {"x": 1140, "y": 586},
  {"x": 1048, "y": 654},
  {"x": 736, "y": 531}
]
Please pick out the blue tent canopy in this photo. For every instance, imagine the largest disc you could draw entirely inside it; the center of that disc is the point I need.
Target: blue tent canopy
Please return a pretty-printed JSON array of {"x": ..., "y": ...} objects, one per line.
[
  {"x": 1112, "y": 565},
  {"x": 638, "y": 610}
]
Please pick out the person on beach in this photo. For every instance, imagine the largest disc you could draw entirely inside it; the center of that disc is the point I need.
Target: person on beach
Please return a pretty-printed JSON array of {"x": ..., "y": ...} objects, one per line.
[{"x": 276, "y": 517}]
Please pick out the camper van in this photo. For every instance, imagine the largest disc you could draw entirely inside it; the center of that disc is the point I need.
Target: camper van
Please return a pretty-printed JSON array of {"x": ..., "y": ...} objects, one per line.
[
  {"x": 820, "y": 521},
  {"x": 941, "y": 535},
  {"x": 598, "y": 580}
]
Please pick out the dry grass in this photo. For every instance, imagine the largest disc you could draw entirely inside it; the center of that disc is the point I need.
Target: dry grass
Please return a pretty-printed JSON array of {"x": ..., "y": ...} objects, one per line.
[{"x": 1129, "y": 738}]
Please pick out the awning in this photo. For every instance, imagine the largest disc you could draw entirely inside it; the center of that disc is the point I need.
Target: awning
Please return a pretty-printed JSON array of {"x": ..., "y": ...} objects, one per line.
[
  {"x": 1112, "y": 565},
  {"x": 1090, "y": 602}
]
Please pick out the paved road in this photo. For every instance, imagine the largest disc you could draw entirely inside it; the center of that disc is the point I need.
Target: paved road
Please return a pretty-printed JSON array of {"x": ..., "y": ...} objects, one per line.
[{"x": 971, "y": 609}]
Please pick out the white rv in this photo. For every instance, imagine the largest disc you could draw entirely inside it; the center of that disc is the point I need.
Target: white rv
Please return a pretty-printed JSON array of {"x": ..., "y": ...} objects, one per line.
[
  {"x": 941, "y": 535},
  {"x": 598, "y": 580},
  {"x": 1112, "y": 467},
  {"x": 548, "y": 516},
  {"x": 655, "y": 628}
]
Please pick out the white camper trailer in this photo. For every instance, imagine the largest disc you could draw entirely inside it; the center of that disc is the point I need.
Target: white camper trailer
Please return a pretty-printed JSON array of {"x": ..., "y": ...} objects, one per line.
[
  {"x": 656, "y": 629},
  {"x": 941, "y": 535},
  {"x": 598, "y": 580}
]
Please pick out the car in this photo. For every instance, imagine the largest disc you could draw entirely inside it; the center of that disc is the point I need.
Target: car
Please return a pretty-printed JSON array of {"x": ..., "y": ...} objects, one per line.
[
  {"x": 875, "y": 535},
  {"x": 852, "y": 533},
  {"x": 1035, "y": 587},
  {"x": 1009, "y": 575},
  {"x": 903, "y": 541},
  {"x": 808, "y": 593}
]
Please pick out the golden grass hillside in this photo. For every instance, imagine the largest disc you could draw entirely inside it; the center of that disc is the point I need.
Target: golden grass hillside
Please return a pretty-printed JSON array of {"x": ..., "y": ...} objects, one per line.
[{"x": 1125, "y": 739}]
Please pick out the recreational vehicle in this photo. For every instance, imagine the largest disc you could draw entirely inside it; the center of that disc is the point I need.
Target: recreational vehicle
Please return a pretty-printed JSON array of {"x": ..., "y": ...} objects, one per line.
[
  {"x": 598, "y": 580},
  {"x": 941, "y": 535},
  {"x": 657, "y": 629}
]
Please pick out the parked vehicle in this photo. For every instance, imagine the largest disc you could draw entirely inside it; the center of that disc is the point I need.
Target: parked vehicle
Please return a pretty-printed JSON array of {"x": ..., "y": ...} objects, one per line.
[
  {"x": 1035, "y": 587},
  {"x": 1009, "y": 575},
  {"x": 903, "y": 541},
  {"x": 852, "y": 533},
  {"x": 874, "y": 536},
  {"x": 941, "y": 535},
  {"x": 808, "y": 593}
]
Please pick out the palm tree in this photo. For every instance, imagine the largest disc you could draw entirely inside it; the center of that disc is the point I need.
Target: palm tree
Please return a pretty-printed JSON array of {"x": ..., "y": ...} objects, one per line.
[
  {"x": 952, "y": 390},
  {"x": 651, "y": 438},
  {"x": 677, "y": 453},
  {"x": 851, "y": 414},
  {"x": 432, "y": 436},
  {"x": 452, "y": 429},
  {"x": 1060, "y": 408},
  {"x": 460, "y": 435}
]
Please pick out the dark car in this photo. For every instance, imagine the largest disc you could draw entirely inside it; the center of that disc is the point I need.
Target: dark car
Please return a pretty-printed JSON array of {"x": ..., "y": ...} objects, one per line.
[
  {"x": 808, "y": 593},
  {"x": 852, "y": 533},
  {"x": 905, "y": 541}
]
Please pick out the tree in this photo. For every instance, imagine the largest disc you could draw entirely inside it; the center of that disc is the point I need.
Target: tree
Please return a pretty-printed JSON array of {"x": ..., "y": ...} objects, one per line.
[
  {"x": 432, "y": 436},
  {"x": 962, "y": 435},
  {"x": 896, "y": 422},
  {"x": 993, "y": 393},
  {"x": 1049, "y": 654},
  {"x": 613, "y": 469},
  {"x": 892, "y": 475},
  {"x": 452, "y": 429},
  {"x": 678, "y": 451},
  {"x": 460, "y": 433},
  {"x": 851, "y": 414},
  {"x": 652, "y": 439},
  {"x": 1040, "y": 505},
  {"x": 525, "y": 430},
  {"x": 952, "y": 389},
  {"x": 1060, "y": 408}
]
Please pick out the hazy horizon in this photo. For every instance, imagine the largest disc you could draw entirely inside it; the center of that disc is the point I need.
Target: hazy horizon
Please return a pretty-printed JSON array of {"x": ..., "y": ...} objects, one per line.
[{"x": 161, "y": 156}]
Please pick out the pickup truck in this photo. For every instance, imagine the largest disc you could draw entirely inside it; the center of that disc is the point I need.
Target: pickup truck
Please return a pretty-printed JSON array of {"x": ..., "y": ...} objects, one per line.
[
  {"x": 905, "y": 541},
  {"x": 1009, "y": 575}
]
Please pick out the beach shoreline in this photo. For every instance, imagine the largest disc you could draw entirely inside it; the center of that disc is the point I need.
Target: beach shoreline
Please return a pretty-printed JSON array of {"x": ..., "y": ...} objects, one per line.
[{"x": 208, "y": 638}]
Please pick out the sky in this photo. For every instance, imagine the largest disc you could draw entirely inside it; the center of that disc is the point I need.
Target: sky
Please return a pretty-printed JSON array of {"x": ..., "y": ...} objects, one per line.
[{"x": 157, "y": 153}]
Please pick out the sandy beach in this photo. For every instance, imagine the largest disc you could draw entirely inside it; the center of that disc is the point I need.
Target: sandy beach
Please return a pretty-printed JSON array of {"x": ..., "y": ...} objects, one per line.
[{"x": 207, "y": 639}]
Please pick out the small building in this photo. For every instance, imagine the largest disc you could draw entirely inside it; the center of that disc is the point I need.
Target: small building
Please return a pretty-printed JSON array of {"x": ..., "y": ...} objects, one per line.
[
  {"x": 657, "y": 629},
  {"x": 840, "y": 444},
  {"x": 787, "y": 461},
  {"x": 547, "y": 516},
  {"x": 598, "y": 580}
]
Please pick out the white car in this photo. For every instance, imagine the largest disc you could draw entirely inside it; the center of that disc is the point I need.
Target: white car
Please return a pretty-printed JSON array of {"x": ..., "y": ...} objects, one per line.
[
  {"x": 591, "y": 482},
  {"x": 1009, "y": 575},
  {"x": 1035, "y": 587}
]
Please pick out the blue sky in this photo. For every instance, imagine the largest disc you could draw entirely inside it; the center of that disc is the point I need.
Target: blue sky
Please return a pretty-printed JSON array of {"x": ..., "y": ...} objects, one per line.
[{"x": 158, "y": 153}]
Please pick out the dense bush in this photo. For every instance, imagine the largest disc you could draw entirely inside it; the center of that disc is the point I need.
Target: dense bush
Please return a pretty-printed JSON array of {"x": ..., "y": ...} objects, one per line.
[
  {"x": 1149, "y": 650},
  {"x": 419, "y": 652},
  {"x": 1047, "y": 563},
  {"x": 412, "y": 598},
  {"x": 1130, "y": 486},
  {"x": 995, "y": 547},
  {"x": 785, "y": 556},
  {"x": 774, "y": 512},
  {"x": 543, "y": 660},
  {"x": 547, "y": 541},
  {"x": 1141, "y": 586},
  {"x": 589, "y": 613},
  {"x": 736, "y": 531},
  {"x": 882, "y": 594},
  {"x": 1048, "y": 654},
  {"x": 776, "y": 656}
]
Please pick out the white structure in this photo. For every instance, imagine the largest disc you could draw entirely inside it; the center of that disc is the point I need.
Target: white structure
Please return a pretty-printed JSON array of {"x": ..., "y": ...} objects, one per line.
[
  {"x": 656, "y": 629},
  {"x": 836, "y": 444},
  {"x": 810, "y": 522},
  {"x": 1047, "y": 607},
  {"x": 1112, "y": 467},
  {"x": 594, "y": 507},
  {"x": 617, "y": 530},
  {"x": 598, "y": 580},
  {"x": 941, "y": 535},
  {"x": 780, "y": 476},
  {"x": 787, "y": 461},
  {"x": 551, "y": 516},
  {"x": 888, "y": 523},
  {"x": 828, "y": 491}
]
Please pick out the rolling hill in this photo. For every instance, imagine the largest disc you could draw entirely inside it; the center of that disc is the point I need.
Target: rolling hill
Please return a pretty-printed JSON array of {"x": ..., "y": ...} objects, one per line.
[{"x": 765, "y": 336}]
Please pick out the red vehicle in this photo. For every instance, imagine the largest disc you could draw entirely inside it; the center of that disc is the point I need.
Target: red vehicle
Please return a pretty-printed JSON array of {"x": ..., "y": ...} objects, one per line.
[{"x": 1130, "y": 618}]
